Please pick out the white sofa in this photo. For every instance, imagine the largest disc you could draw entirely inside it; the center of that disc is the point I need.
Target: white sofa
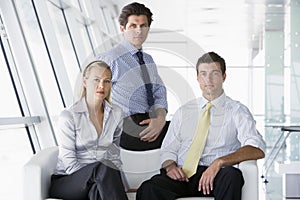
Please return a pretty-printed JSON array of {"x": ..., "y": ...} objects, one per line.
[{"x": 137, "y": 166}]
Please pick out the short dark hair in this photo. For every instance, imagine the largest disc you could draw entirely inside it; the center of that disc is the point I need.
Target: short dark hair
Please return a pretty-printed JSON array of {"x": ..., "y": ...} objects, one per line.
[
  {"x": 134, "y": 9},
  {"x": 211, "y": 57}
]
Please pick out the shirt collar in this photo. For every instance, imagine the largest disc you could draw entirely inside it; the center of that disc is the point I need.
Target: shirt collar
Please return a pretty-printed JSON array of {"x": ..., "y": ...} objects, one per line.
[
  {"x": 130, "y": 48},
  {"x": 216, "y": 102},
  {"x": 81, "y": 106}
]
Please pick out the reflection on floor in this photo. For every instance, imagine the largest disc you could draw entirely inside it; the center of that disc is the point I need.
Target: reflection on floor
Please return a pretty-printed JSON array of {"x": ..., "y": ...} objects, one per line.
[{"x": 272, "y": 190}]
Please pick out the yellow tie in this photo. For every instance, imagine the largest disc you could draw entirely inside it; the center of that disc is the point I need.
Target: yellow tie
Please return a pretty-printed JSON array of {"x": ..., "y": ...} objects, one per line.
[{"x": 193, "y": 156}]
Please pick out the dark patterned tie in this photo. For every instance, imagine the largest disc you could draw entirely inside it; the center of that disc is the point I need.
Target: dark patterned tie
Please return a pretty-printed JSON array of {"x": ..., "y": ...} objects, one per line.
[{"x": 146, "y": 78}]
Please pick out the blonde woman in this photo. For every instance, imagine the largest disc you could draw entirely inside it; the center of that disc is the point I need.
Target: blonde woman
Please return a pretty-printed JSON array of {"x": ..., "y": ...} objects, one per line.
[{"x": 89, "y": 156}]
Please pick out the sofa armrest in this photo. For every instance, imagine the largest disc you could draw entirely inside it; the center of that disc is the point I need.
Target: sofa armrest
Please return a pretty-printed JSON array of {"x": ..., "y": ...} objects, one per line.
[
  {"x": 37, "y": 172},
  {"x": 250, "y": 173}
]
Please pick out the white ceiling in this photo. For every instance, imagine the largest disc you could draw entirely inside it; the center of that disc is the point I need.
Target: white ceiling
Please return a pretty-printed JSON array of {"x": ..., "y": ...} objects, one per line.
[{"x": 232, "y": 28}]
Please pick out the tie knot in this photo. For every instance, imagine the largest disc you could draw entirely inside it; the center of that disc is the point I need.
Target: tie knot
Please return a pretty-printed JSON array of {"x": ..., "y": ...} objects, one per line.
[
  {"x": 140, "y": 57},
  {"x": 208, "y": 106},
  {"x": 139, "y": 53}
]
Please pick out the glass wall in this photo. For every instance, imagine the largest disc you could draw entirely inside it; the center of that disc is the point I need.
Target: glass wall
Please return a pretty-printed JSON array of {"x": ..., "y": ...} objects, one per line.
[{"x": 15, "y": 141}]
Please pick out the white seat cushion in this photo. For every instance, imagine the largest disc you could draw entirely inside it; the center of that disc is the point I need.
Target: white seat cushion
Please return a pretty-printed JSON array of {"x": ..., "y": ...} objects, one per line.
[{"x": 138, "y": 166}]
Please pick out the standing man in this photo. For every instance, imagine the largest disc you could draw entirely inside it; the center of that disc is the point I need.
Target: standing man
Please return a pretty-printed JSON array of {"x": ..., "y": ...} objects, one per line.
[
  {"x": 136, "y": 86},
  {"x": 230, "y": 138}
]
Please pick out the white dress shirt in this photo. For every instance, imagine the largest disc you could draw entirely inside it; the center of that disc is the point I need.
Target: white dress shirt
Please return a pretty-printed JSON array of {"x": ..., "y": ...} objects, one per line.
[
  {"x": 231, "y": 127},
  {"x": 79, "y": 143}
]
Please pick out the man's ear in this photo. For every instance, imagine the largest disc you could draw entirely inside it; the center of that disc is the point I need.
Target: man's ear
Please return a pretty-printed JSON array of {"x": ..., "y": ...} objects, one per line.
[
  {"x": 122, "y": 29},
  {"x": 224, "y": 76}
]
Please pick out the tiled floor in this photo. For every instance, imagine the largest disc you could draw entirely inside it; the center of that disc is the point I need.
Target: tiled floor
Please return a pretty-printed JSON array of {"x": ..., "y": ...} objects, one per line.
[{"x": 272, "y": 190}]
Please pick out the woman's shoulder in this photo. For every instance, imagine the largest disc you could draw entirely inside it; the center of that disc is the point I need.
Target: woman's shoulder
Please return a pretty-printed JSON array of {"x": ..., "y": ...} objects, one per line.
[
  {"x": 76, "y": 107},
  {"x": 66, "y": 115}
]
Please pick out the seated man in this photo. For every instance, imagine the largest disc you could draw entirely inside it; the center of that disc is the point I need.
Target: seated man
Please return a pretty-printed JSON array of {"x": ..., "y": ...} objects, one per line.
[{"x": 199, "y": 153}]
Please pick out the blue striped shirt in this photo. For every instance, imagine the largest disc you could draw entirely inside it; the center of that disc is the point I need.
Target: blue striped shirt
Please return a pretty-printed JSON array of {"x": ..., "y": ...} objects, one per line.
[
  {"x": 231, "y": 127},
  {"x": 128, "y": 87}
]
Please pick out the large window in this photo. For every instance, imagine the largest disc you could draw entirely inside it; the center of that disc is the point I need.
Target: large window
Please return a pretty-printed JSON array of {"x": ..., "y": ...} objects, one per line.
[
  {"x": 9, "y": 103},
  {"x": 66, "y": 45},
  {"x": 15, "y": 148},
  {"x": 40, "y": 56}
]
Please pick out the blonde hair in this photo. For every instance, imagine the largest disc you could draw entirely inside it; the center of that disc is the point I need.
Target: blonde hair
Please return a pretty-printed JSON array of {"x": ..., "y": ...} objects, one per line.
[{"x": 86, "y": 73}]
